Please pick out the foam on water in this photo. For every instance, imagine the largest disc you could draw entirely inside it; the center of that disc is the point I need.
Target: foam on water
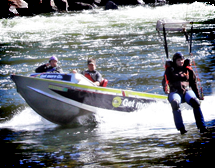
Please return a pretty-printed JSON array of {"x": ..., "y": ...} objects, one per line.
[
  {"x": 156, "y": 118},
  {"x": 27, "y": 120},
  {"x": 126, "y": 20}
]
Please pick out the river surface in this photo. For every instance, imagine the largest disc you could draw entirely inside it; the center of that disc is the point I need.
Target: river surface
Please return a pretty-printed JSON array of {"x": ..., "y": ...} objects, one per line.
[{"x": 131, "y": 56}]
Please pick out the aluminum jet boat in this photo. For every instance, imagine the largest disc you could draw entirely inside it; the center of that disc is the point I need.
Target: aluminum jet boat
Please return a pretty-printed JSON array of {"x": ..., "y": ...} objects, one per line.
[{"x": 61, "y": 98}]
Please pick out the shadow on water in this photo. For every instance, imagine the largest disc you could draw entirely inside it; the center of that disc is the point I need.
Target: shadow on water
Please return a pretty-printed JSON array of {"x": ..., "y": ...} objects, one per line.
[
  {"x": 71, "y": 147},
  {"x": 52, "y": 149},
  {"x": 194, "y": 153},
  {"x": 11, "y": 153}
]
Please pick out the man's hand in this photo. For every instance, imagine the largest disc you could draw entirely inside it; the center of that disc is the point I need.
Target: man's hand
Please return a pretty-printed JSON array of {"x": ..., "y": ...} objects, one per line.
[
  {"x": 74, "y": 71},
  {"x": 97, "y": 83}
]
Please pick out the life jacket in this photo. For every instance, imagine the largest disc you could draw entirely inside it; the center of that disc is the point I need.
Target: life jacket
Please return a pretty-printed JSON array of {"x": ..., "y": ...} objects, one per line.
[
  {"x": 187, "y": 64},
  {"x": 165, "y": 82},
  {"x": 169, "y": 63},
  {"x": 103, "y": 83},
  {"x": 87, "y": 75}
]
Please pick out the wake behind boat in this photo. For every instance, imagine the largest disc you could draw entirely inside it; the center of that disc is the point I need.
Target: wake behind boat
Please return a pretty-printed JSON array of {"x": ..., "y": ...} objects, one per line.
[{"x": 61, "y": 98}]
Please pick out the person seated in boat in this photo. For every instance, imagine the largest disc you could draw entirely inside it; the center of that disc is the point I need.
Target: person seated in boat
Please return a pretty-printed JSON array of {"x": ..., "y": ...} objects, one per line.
[
  {"x": 51, "y": 66},
  {"x": 92, "y": 74},
  {"x": 180, "y": 84}
]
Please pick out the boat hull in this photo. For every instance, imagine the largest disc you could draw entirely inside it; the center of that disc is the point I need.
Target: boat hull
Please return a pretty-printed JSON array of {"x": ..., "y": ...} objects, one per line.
[
  {"x": 61, "y": 102},
  {"x": 52, "y": 107}
]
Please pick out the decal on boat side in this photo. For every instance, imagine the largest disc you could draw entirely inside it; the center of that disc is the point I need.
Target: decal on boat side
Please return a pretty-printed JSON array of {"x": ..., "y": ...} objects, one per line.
[
  {"x": 117, "y": 102},
  {"x": 128, "y": 103},
  {"x": 104, "y": 101},
  {"x": 59, "y": 88},
  {"x": 51, "y": 76},
  {"x": 54, "y": 76}
]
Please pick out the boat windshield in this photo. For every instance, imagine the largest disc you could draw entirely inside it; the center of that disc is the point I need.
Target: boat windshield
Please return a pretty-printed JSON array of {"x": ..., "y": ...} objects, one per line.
[{"x": 82, "y": 80}]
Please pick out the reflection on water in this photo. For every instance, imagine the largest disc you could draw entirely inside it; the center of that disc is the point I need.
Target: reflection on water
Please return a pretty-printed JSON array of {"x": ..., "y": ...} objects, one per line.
[
  {"x": 143, "y": 138},
  {"x": 81, "y": 146},
  {"x": 130, "y": 56}
]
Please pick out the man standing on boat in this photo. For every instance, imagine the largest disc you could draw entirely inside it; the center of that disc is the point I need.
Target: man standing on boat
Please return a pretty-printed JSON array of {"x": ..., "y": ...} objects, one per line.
[
  {"x": 51, "y": 66},
  {"x": 92, "y": 74},
  {"x": 180, "y": 84}
]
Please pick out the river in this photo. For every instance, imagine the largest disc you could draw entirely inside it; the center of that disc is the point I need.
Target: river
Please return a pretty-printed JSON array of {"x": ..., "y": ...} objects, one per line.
[{"x": 130, "y": 55}]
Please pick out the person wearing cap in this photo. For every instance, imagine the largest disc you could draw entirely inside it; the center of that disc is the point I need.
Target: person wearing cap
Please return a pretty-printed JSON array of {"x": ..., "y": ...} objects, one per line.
[
  {"x": 51, "y": 66},
  {"x": 182, "y": 87},
  {"x": 92, "y": 74}
]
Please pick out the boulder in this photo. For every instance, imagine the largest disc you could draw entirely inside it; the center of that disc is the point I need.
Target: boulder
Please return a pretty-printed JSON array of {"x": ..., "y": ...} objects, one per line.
[
  {"x": 16, "y": 4},
  {"x": 110, "y": 5},
  {"x": 46, "y": 6},
  {"x": 4, "y": 9},
  {"x": 62, "y": 5},
  {"x": 88, "y": 1},
  {"x": 34, "y": 6},
  {"x": 40, "y": 6},
  {"x": 77, "y": 6},
  {"x": 123, "y": 2}
]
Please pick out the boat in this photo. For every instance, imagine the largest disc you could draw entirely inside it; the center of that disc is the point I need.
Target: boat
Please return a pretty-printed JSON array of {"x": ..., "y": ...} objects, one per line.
[{"x": 62, "y": 98}]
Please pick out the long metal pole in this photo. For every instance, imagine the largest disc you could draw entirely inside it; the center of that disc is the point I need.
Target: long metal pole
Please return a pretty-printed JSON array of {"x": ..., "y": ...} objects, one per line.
[
  {"x": 165, "y": 41},
  {"x": 191, "y": 36}
]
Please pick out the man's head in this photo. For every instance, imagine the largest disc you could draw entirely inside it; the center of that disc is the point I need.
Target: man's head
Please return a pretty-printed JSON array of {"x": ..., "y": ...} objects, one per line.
[
  {"x": 91, "y": 63},
  {"x": 178, "y": 59},
  {"x": 53, "y": 61}
]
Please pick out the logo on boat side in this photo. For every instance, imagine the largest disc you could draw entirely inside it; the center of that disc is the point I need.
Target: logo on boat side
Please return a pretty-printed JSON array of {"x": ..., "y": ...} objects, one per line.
[
  {"x": 116, "y": 101},
  {"x": 51, "y": 76}
]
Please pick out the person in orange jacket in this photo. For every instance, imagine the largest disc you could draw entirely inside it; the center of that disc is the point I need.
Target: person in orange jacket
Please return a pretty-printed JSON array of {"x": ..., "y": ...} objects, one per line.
[
  {"x": 181, "y": 86},
  {"x": 92, "y": 74}
]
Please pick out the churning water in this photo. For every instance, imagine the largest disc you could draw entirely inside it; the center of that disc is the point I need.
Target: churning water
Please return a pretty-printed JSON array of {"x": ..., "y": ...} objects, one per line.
[{"x": 130, "y": 55}]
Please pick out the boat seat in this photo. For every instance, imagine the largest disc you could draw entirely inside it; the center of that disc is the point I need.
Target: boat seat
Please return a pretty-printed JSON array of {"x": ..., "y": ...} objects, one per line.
[{"x": 104, "y": 82}]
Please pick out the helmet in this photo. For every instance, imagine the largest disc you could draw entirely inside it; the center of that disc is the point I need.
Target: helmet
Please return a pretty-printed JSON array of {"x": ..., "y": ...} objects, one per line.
[
  {"x": 176, "y": 56},
  {"x": 53, "y": 58}
]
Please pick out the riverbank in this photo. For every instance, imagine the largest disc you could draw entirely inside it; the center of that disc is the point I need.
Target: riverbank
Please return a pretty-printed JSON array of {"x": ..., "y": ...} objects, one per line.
[{"x": 12, "y": 8}]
